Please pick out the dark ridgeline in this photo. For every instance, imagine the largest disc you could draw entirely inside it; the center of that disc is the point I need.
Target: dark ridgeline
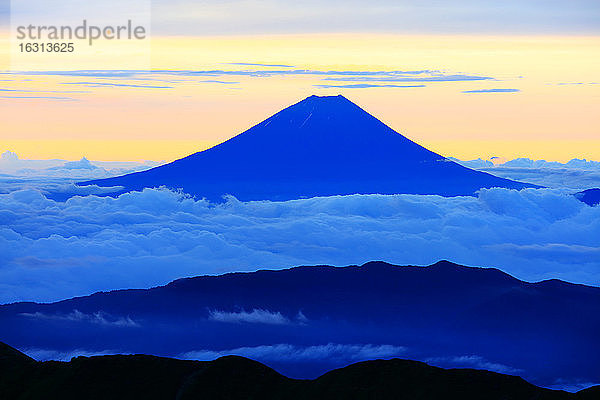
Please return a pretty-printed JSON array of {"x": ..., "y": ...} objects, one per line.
[
  {"x": 149, "y": 377},
  {"x": 321, "y": 146},
  {"x": 544, "y": 332}
]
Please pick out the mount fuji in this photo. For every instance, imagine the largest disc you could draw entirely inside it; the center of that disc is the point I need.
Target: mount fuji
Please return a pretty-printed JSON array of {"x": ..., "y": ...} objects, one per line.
[{"x": 321, "y": 146}]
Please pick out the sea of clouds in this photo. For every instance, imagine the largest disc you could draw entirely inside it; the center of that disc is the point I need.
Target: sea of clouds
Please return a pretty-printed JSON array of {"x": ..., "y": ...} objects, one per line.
[
  {"x": 17, "y": 173},
  {"x": 576, "y": 174},
  {"x": 54, "y": 250},
  {"x": 55, "y": 175}
]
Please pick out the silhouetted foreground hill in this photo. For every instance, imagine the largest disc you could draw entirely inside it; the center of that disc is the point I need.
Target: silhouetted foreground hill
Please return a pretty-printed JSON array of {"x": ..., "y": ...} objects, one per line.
[
  {"x": 321, "y": 146},
  {"x": 148, "y": 377},
  {"x": 308, "y": 320}
]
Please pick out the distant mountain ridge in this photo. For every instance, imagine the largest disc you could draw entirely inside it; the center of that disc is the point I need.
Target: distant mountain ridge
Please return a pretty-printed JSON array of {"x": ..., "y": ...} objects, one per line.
[
  {"x": 149, "y": 377},
  {"x": 454, "y": 315},
  {"x": 321, "y": 146}
]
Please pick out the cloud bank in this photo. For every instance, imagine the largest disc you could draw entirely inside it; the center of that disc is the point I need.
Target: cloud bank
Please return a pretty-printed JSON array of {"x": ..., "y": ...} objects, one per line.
[
  {"x": 99, "y": 318},
  {"x": 66, "y": 355},
  {"x": 576, "y": 174},
  {"x": 334, "y": 352},
  {"x": 53, "y": 250},
  {"x": 256, "y": 316},
  {"x": 14, "y": 169},
  {"x": 288, "y": 352},
  {"x": 473, "y": 361}
]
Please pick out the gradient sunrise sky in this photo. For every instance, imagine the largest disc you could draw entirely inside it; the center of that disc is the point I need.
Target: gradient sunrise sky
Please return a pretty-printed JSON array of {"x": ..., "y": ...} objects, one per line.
[{"x": 464, "y": 78}]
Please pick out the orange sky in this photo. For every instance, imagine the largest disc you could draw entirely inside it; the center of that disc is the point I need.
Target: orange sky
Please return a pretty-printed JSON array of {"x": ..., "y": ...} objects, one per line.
[{"x": 555, "y": 114}]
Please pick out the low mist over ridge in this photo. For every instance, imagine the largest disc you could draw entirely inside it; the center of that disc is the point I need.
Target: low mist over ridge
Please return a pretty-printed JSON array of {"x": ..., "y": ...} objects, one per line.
[
  {"x": 147, "y": 238},
  {"x": 305, "y": 321},
  {"x": 126, "y": 377}
]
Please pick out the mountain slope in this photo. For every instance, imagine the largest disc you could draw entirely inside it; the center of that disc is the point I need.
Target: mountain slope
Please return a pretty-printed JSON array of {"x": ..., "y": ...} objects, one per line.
[
  {"x": 307, "y": 320},
  {"x": 320, "y": 146},
  {"x": 148, "y": 377}
]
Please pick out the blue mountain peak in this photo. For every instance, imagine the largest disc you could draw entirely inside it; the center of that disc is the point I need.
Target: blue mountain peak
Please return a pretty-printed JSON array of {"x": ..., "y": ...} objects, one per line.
[{"x": 320, "y": 146}]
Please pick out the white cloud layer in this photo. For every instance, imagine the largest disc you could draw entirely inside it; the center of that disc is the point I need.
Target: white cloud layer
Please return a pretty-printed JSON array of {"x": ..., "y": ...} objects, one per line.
[
  {"x": 473, "y": 361},
  {"x": 572, "y": 387},
  {"x": 54, "y": 250},
  {"x": 16, "y": 168},
  {"x": 287, "y": 352},
  {"x": 256, "y": 316},
  {"x": 99, "y": 318},
  {"x": 576, "y": 174},
  {"x": 58, "y": 355}
]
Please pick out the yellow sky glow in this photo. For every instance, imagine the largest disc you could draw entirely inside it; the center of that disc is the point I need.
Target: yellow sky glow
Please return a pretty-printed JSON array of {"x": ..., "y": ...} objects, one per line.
[{"x": 546, "y": 119}]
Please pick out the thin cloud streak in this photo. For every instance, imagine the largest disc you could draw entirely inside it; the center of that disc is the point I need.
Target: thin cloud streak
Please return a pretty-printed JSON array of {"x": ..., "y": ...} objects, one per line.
[
  {"x": 366, "y": 86},
  {"x": 492, "y": 91},
  {"x": 100, "y": 84}
]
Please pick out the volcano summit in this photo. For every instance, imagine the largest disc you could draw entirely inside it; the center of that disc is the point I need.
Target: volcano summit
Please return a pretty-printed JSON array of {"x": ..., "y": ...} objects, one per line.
[{"x": 321, "y": 146}]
